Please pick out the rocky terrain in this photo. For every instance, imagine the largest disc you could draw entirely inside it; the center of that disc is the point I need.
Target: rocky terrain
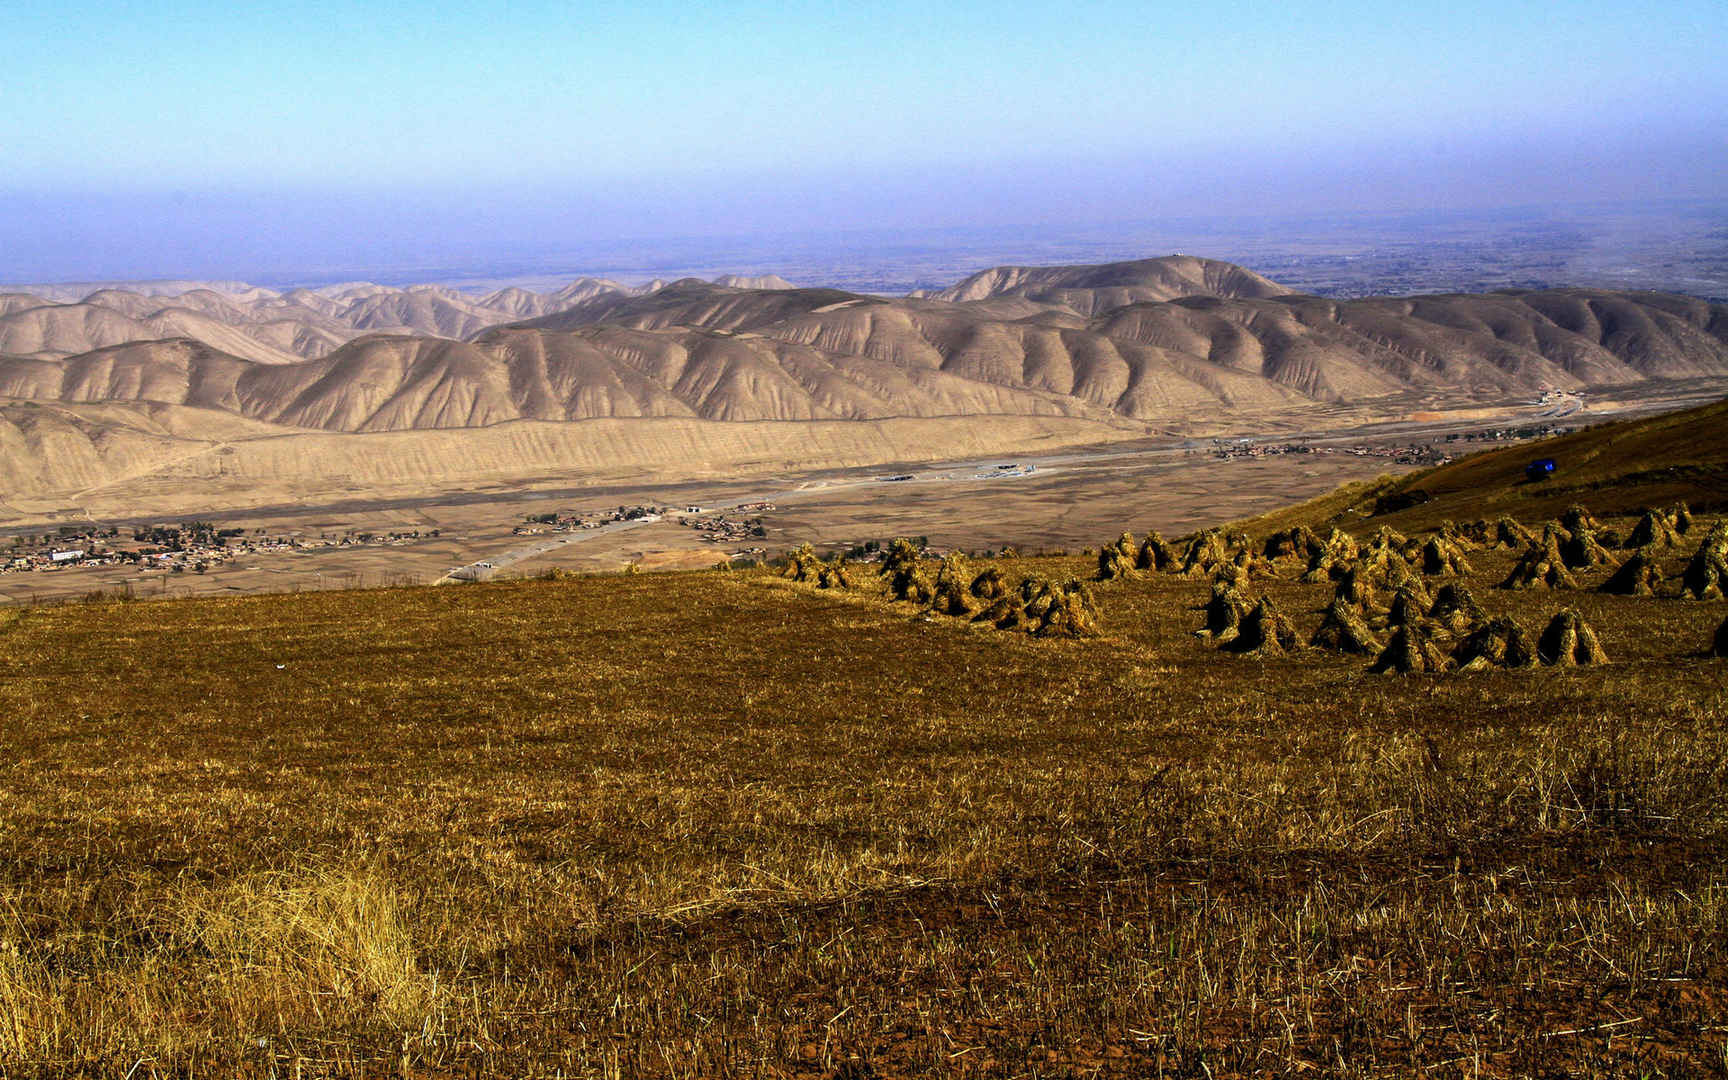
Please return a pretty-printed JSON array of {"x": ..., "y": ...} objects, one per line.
[{"x": 125, "y": 388}]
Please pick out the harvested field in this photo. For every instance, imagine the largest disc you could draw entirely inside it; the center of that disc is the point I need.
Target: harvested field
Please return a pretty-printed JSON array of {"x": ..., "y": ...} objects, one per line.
[{"x": 707, "y": 824}]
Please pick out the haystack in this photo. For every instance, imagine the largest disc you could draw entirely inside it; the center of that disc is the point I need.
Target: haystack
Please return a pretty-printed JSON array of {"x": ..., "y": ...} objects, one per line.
[
  {"x": 1719, "y": 647},
  {"x": 1399, "y": 576},
  {"x": 1117, "y": 560},
  {"x": 1500, "y": 643},
  {"x": 1681, "y": 515},
  {"x": 1408, "y": 607},
  {"x": 834, "y": 575},
  {"x": 1205, "y": 553},
  {"x": 1339, "y": 551},
  {"x": 1569, "y": 642},
  {"x": 1356, "y": 588},
  {"x": 1231, "y": 574},
  {"x": 1656, "y": 529},
  {"x": 1265, "y": 632},
  {"x": 1070, "y": 612},
  {"x": 1508, "y": 533},
  {"x": 988, "y": 585},
  {"x": 1706, "y": 576},
  {"x": 1035, "y": 593},
  {"x": 1461, "y": 538},
  {"x": 1342, "y": 630},
  {"x": 1444, "y": 558},
  {"x": 1155, "y": 553},
  {"x": 1576, "y": 517},
  {"x": 1007, "y": 612},
  {"x": 1541, "y": 566},
  {"x": 1639, "y": 575},
  {"x": 1299, "y": 542},
  {"x": 1582, "y": 550},
  {"x": 1411, "y": 649},
  {"x": 1455, "y": 608},
  {"x": 951, "y": 596},
  {"x": 1224, "y": 613},
  {"x": 901, "y": 554},
  {"x": 803, "y": 564},
  {"x": 1250, "y": 564}
]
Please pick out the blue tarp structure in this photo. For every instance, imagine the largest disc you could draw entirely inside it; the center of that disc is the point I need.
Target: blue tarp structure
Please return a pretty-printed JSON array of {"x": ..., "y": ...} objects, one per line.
[{"x": 1540, "y": 469}]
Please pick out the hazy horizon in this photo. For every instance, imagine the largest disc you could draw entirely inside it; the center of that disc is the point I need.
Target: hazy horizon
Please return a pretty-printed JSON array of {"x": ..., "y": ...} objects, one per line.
[{"x": 375, "y": 139}]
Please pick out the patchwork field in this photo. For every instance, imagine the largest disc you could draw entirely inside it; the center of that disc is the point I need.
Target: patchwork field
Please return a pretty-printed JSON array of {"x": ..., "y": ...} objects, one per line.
[{"x": 715, "y": 823}]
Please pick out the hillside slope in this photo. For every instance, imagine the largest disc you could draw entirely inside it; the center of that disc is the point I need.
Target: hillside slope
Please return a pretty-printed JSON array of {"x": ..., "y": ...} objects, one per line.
[
  {"x": 699, "y": 350},
  {"x": 1624, "y": 467}
]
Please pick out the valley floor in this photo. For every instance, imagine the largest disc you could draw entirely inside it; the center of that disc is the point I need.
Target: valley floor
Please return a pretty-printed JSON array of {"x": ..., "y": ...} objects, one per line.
[{"x": 1072, "y": 497}]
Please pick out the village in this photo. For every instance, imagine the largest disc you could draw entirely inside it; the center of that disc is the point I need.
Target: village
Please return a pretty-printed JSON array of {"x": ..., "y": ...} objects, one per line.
[
  {"x": 186, "y": 547},
  {"x": 737, "y": 525}
]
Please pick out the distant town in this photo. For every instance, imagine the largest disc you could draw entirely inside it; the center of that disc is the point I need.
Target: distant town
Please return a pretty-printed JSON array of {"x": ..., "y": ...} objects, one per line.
[{"x": 188, "y": 547}]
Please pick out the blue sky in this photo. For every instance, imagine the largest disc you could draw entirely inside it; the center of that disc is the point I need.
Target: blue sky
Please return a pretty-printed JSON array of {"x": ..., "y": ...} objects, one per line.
[{"x": 313, "y": 120}]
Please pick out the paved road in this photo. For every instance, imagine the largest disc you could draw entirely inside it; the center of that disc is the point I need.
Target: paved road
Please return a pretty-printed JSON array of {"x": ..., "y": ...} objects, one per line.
[{"x": 485, "y": 568}]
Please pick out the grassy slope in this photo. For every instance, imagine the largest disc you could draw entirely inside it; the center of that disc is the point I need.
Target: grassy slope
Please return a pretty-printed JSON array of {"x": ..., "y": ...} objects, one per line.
[
  {"x": 1623, "y": 467},
  {"x": 705, "y": 823},
  {"x": 686, "y": 824}
]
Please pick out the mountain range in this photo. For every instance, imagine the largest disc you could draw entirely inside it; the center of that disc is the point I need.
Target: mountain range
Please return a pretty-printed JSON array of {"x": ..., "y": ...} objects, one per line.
[{"x": 1084, "y": 353}]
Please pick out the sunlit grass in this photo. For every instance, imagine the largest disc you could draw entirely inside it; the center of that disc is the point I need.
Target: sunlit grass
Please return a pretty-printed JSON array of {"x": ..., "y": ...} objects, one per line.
[{"x": 690, "y": 824}]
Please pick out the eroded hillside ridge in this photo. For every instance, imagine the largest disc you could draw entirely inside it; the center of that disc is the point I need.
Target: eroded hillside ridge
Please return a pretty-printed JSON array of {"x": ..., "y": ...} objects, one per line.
[
  {"x": 704, "y": 351},
  {"x": 272, "y": 327}
]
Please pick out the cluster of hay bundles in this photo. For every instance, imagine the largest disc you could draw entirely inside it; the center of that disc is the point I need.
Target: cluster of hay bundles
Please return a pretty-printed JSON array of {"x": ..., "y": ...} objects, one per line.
[
  {"x": 1509, "y": 534},
  {"x": 1442, "y": 557},
  {"x": 1344, "y": 630},
  {"x": 1264, "y": 632},
  {"x": 1456, "y": 609},
  {"x": 1125, "y": 558},
  {"x": 1496, "y": 643},
  {"x": 1638, "y": 576},
  {"x": 1117, "y": 560},
  {"x": 1047, "y": 609},
  {"x": 903, "y": 566},
  {"x": 1206, "y": 553},
  {"x": 1569, "y": 642},
  {"x": 988, "y": 585},
  {"x": 1298, "y": 543},
  {"x": 1155, "y": 553},
  {"x": 1225, "y": 610},
  {"x": 1411, "y": 649},
  {"x": 1661, "y": 528},
  {"x": 1542, "y": 566},
  {"x": 1582, "y": 549},
  {"x": 805, "y": 565},
  {"x": 1333, "y": 557},
  {"x": 1706, "y": 576},
  {"x": 952, "y": 587}
]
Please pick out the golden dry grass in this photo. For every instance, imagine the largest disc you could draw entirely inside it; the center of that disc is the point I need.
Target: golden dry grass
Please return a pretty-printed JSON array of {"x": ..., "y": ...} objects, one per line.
[{"x": 727, "y": 824}]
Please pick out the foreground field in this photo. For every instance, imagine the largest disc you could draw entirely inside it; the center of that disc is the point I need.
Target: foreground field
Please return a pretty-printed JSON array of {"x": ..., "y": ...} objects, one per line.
[{"x": 711, "y": 824}]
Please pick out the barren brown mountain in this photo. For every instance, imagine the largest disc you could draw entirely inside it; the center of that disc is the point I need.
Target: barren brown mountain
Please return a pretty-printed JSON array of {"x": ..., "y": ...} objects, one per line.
[{"x": 1230, "y": 351}]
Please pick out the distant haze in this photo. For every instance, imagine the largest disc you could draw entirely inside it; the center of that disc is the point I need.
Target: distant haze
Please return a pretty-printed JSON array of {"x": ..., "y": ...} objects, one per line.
[{"x": 446, "y": 141}]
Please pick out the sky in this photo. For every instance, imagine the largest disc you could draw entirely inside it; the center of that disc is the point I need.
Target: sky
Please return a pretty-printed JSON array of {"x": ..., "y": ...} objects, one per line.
[{"x": 201, "y": 139}]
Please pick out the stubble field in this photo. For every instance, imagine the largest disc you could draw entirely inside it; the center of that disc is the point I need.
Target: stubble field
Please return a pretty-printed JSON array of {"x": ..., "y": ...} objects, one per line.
[{"x": 725, "y": 824}]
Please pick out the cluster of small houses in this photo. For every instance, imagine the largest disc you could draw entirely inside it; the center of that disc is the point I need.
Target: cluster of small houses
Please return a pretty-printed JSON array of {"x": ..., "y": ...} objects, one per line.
[
  {"x": 1413, "y": 454},
  {"x": 194, "y": 546},
  {"x": 1382, "y": 605},
  {"x": 564, "y": 521},
  {"x": 716, "y": 528}
]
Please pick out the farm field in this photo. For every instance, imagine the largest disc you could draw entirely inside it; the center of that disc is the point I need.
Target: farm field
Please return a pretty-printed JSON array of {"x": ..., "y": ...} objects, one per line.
[{"x": 706, "y": 823}]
